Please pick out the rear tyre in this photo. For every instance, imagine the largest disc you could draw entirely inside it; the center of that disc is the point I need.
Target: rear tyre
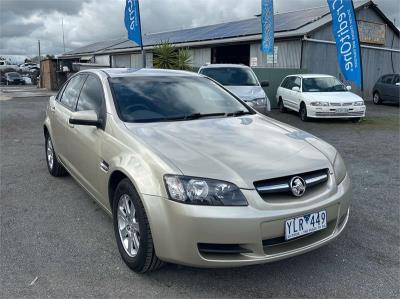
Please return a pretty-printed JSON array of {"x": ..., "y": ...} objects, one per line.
[
  {"x": 282, "y": 107},
  {"x": 54, "y": 167},
  {"x": 132, "y": 230},
  {"x": 303, "y": 112},
  {"x": 377, "y": 99}
]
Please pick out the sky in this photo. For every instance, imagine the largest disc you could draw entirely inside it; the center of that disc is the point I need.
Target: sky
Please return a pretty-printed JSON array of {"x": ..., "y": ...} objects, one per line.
[{"x": 24, "y": 22}]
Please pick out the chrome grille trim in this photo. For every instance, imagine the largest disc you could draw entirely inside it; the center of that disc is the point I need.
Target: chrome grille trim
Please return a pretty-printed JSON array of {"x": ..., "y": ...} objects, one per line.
[
  {"x": 282, "y": 185},
  {"x": 317, "y": 179}
]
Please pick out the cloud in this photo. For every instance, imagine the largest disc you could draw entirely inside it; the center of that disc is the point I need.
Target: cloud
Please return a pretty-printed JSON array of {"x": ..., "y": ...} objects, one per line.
[{"x": 24, "y": 22}]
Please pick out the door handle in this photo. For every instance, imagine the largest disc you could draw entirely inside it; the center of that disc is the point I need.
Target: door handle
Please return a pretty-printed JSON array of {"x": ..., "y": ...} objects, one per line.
[{"x": 52, "y": 108}]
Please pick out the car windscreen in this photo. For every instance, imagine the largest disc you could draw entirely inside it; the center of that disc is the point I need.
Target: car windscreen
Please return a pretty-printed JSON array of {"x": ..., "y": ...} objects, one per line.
[
  {"x": 231, "y": 76},
  {"x": 322, "y": 84},
  {"x": 162, "y": 98}
]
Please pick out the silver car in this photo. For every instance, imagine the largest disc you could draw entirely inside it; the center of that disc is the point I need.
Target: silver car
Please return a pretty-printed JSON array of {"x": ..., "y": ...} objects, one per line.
[
  {"x": 190, "y": 173},
  {"x": 241, "y": 81}
]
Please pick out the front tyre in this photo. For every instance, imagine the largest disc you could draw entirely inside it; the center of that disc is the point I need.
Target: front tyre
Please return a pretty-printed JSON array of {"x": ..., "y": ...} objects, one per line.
[
  {"x": 377, "y": 99},
  {"x": 132, "y": 230},
  {"x": 303, "y": 112},
  {"x": 282, "y": 107},
  {"x": 54, "y": 167}
]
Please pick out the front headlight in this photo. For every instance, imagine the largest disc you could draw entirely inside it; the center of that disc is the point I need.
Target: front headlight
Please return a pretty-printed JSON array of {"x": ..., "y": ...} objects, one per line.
[
  {"x": 200, "y": 191},
  {"x": 340, "y": 169},
  {"x": 359, "y": 103},
  {"x": 319, "y": 103}
]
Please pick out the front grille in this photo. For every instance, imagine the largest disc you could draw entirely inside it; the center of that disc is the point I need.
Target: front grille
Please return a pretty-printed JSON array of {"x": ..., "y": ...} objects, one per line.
[
  {"x": 333, "y": 113},
  {"x": 282, "y": 185},
  {"x": 334, "y": 104},
  {"x": 208, "y": 248}
]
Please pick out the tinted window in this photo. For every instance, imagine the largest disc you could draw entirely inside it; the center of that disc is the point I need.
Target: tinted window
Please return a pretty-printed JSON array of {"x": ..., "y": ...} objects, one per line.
[
  {"x": 396, "y": 79},
  {"x": 285, "y": 82},
  {"x": 58, "y": 97},
  {"x": 150, "y": 99},
  {"x": 71, "y": 92},
  {"x": 290, "y": 82},
  {"x": 91, "y": 97},
  {"x": 387, "y": 79},
  {"x": 322, "y": 84},
  {"x": 297, "y": 82},
  {"x": 231, "y": 76}
]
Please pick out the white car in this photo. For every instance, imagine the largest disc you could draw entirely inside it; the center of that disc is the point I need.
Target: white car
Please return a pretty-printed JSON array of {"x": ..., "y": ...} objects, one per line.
[
  {"x": 240, "y": 80},
  {"x": 319, "y": 96}
]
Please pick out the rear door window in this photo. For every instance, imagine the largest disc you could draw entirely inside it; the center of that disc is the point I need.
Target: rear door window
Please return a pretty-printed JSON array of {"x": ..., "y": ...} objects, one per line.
[
  {"x": 91, "y": 97},
  {"x": 71, "y": 92},
  {"x": 387, "y": 79}
]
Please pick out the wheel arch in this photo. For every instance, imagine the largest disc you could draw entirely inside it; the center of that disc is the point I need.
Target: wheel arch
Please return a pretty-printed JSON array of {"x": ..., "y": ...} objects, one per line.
[
  {"x": 115, "y": 178},
  {"x": 46, "y": 131}
]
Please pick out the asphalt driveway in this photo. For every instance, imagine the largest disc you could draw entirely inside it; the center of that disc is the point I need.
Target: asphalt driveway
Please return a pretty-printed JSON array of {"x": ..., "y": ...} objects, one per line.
[{"x": 56, "y": 242}]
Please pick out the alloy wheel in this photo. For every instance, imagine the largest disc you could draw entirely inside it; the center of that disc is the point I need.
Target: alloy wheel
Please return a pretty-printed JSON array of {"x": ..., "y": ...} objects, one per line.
[
  {"x": 128, "y": 226},
  {"x": 376, "y": 98},
  {"x": 50, "y": 153}
]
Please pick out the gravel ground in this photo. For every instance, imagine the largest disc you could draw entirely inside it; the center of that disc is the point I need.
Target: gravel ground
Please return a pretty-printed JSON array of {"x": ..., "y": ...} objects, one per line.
[{"x": 56, "y": 242}]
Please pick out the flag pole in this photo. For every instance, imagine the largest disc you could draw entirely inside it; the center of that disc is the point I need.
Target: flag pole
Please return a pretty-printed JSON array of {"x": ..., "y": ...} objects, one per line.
[{"x": 141, "y": 37}]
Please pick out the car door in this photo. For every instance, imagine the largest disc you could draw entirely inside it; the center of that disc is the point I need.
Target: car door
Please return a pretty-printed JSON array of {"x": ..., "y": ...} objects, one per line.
[
  {"x": 394, "y": 90},
  {"x": 385, "y": 87},
  {"x": 293, "y": 97},
  {"x": 61, "y": 112},
  {"x": 85, "y": 141},
  {"x": 285, "y": 91}
]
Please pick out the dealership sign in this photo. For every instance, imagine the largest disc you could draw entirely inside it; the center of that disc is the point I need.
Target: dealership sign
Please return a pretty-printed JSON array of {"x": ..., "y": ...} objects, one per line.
[
  {"x": 344, "y": 27},
  {"x": 132, "y": 21},
  {"x": 267, "y": 26}
]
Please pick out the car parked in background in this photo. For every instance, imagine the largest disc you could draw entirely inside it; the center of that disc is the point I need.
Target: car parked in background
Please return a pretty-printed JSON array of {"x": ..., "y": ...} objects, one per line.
[
  {"x": 6, "y": 65},
  {"x": 387, "y": 88},
  {"x": 190, "y": 173},
  {"x": 14, "y": 78},
  {"x": 241, "y": 81},
  {"x": 26, "y": 67},
  {"x": 319, "y": 96}
]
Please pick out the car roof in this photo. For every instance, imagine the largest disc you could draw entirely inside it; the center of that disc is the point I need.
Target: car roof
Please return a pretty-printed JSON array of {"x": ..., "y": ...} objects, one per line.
[
  {"x": 221, "y": 65},
  {"x": 311, "y": 76},
  {"x": 127, "y": 72}
]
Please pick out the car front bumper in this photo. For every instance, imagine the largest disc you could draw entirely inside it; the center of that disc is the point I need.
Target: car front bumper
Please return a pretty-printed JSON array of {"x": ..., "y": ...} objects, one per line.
[
  {"x": 179, "y": 230},
  {"x": 335, "y": 112}
]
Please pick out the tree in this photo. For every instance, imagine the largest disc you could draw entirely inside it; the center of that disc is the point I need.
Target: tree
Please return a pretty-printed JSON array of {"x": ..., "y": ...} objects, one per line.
[
  {"x": 167, "y": 56},
  {"x": 183, "y": 60}
]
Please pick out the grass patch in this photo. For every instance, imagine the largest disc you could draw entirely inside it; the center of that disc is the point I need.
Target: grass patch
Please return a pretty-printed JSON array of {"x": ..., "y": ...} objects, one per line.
[{"x": 379, "y": 122}]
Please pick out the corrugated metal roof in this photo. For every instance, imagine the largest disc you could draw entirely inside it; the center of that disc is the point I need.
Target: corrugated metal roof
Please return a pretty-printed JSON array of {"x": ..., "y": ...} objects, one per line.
[{"x": 284, "y": 23}]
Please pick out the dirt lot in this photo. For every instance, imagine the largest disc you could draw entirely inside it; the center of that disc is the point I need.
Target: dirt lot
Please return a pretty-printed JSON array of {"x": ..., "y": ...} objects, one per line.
[{"x": 56, "y": 242}]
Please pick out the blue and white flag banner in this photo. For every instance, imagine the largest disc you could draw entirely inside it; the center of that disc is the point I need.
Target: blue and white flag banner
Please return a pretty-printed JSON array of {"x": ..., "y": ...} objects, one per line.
[
  {"x": 267, "y": 26},
  {"x": 345, "y": 31},
  {"x": 132, "y": 21}
]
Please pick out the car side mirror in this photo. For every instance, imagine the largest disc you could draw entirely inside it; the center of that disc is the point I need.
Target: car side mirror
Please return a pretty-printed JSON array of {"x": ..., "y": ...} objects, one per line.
[
  {"x": 264, "y": 83},
  {"x": 296, "y": 89},
  {"x": 348, "y": 87},
  {"x": 85, "y": 118},
  {"x": 52, "y": 98}
]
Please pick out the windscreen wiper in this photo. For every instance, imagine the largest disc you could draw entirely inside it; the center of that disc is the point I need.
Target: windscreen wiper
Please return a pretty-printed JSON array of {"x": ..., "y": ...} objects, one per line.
[
  {"x": 200, "y": 115},
  {"x": 238, "y": 113}
]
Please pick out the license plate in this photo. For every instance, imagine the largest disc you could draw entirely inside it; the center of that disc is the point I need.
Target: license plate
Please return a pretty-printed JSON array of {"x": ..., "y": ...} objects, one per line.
[
  {"x": 342, "y": 110},
  {"x": 304, "y": 225}
]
